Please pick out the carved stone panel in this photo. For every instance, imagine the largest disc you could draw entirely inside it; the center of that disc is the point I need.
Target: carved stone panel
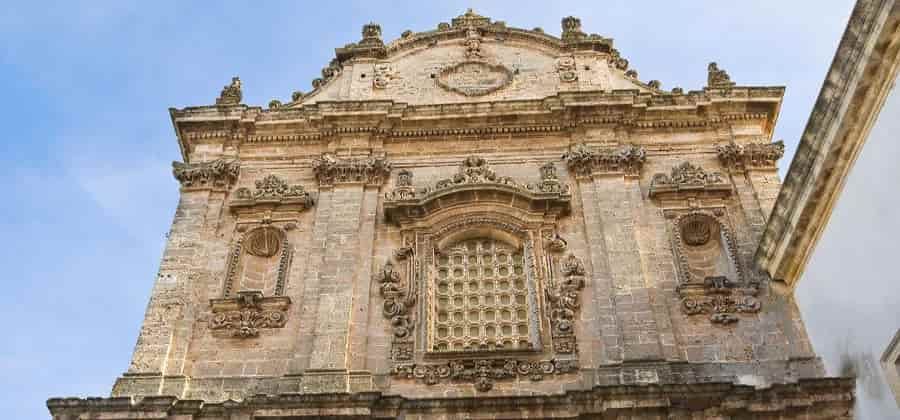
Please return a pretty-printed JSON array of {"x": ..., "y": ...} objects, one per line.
[
  {"x": 474, "y": 78},
  {"x": 248, "y": 313},
  {"x": 482, "y": 373}
]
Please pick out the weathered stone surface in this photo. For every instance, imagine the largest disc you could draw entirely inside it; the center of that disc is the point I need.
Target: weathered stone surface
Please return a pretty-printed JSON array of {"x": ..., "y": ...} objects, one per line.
[{"x": 397, "y": 244}]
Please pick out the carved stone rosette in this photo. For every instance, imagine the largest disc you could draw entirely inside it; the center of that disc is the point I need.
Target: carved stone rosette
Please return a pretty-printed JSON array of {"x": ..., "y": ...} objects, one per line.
[
  {"x": 331, "y": 170},
  {"x": 273, "y": 190},
  {"x": 482, "y": 373},
  {"x": 245, "y": 315},
  {"x": 219, "y": 173},
  {"x": 687, "y": 177},
  {"x": 583, "y": 161},
  {"x": 398, "y": 300},
  {"x": 564, "y": 302},
  {"x": 750, "y": 156}
]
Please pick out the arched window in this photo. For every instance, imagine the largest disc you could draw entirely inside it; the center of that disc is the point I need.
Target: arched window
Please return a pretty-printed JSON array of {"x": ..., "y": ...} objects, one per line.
[{"x": 483, "y": 299}]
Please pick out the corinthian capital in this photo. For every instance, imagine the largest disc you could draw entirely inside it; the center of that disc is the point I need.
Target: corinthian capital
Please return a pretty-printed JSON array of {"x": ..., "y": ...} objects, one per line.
[
  {"x": 331, "y": 170},
  {"x": 219, "y": 173},
  {"x": 627, "y": 159}
]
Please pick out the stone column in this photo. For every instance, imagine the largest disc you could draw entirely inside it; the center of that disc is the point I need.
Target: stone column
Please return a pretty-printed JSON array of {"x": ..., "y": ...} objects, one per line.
[
  {"x": 338, "y": 276},
  {"x": 612, "y": 200},
  {"x": 157, "y": 364}
]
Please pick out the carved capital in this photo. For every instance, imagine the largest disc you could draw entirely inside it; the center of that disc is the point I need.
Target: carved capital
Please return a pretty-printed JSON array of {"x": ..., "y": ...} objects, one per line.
[
  {"x": 582, "y": 160},
  {"x": 331, "y": 170},
  {"x": 750, "y": 156},
  {"x": 248, "y": 313},
  {"x": 482, "y": 373},
  {"x": 687, "y": 178},
  {"x": 273, "y": 190},
  {"x": 216, "y": 174}
]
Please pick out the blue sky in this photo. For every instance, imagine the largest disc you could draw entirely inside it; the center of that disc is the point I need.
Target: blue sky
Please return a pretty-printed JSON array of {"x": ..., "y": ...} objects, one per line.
[{"x": 86, "y": 168}]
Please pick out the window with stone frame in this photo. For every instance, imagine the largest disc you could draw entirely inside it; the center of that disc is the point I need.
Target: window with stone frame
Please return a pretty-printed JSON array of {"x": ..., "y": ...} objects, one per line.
[{"x": 482, "y": 298}]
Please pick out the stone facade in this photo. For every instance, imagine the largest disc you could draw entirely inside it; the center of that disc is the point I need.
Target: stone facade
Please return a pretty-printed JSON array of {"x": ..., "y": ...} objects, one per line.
[{"x": 474, "y": 222}]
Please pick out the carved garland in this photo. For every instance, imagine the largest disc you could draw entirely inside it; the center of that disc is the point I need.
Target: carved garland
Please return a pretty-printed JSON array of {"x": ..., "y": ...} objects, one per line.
[{"x": 484, "y": 372}]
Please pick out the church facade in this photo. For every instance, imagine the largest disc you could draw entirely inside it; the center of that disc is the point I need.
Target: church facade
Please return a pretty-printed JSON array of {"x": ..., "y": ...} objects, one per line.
[{"x": 476, "y": 221}]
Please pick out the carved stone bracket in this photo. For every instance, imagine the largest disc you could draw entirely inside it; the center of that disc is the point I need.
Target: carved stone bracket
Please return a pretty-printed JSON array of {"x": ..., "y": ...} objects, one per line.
[
  {"x": 750, "y": 156},
  {"x": 245, "y": 315},
  {"x": 331, "y": 170},
  {"x": 564, "y": 302},
  {"x": 217, "y": 174},
  {"x": 720, "y": 299},
  {"x": 689, "y": 178},
  {"x": 475, "y": 174},
  {"x": 231, "y": 94},
  {"x": 584, "y": 161},
  {"x": 273, "y": 190},
  {"x": 482, "y": 373}
]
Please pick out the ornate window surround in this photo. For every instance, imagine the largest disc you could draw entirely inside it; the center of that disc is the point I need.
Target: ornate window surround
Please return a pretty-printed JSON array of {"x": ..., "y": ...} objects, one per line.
[
  {"x": 265, "y": 216},
  {"x": 477, "y": 203}
]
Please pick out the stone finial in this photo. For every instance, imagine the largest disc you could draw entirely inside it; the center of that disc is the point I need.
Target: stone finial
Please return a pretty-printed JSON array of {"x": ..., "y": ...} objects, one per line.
[
  {"x": 571, "y": 29},
  {"x": 470, "y": 19},
  {"x": 371, "y": 34},
  {"x": 231, "y": 94},
  {"x": 717, "y": 77}
]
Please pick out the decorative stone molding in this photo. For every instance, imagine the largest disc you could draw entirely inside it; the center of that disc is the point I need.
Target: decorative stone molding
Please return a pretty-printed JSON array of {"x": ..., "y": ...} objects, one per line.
[
  {"x": 474, "y": 78},
  {"x": 397, "y": 300},
  {"x": 719, "y": 298},
  {"x": 245, "y": 315},
  {"x": 273, "y": 190},
  {"x": 473, "y": 44},
  {"x": 406, "y": 202},
  {"x": 583, "y": 161},
  {"x": 687, "y": 178},
  {"x": 565, "y": 67},
  {"x": 750, "y": 156},
  {"x": 231, "y": 94},
  {"x": 564, "y": 302},
  {"x": 219, "y": 173},
  {"x": 470, "y": 19},
  {"x": 263, "y": 241},
  {"x": 331, "y": 170},
  {"x": 383, "y": 75},
  {"x": 482, "y": 373},
  {"x": 717, "y": 78}
]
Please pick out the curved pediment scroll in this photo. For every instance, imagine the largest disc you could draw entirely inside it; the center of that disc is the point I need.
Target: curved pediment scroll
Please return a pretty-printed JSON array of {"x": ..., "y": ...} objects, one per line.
[{"x": 476, "y": 182}]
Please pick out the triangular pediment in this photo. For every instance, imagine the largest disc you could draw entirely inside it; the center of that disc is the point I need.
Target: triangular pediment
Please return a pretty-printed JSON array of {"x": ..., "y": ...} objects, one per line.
[{"x": 473, "y": 59}]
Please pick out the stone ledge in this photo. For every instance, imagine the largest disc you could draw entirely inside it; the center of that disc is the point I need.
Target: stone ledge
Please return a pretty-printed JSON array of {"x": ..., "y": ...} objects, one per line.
[{"x": 808, "y": 398}]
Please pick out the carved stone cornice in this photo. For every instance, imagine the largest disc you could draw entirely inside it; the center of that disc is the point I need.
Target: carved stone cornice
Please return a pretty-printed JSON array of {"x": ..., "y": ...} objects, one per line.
[
  {"x": 245, "y": 315},
  {"x": 476, "y": 181},
  {"x": 688, "y": 179},
  {"x": 331, "y": 170},
  {"x": 584, "y": 161},
  {"x": 484, "y": 372},
  {"x": 216, "y": 174},
  {"x": 750, "y": 156},
  {"x": 272, "y": 190}
]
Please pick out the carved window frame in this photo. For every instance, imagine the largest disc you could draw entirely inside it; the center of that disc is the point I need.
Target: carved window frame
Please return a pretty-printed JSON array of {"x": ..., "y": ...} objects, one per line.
[{"x": 477, "y": 203}]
